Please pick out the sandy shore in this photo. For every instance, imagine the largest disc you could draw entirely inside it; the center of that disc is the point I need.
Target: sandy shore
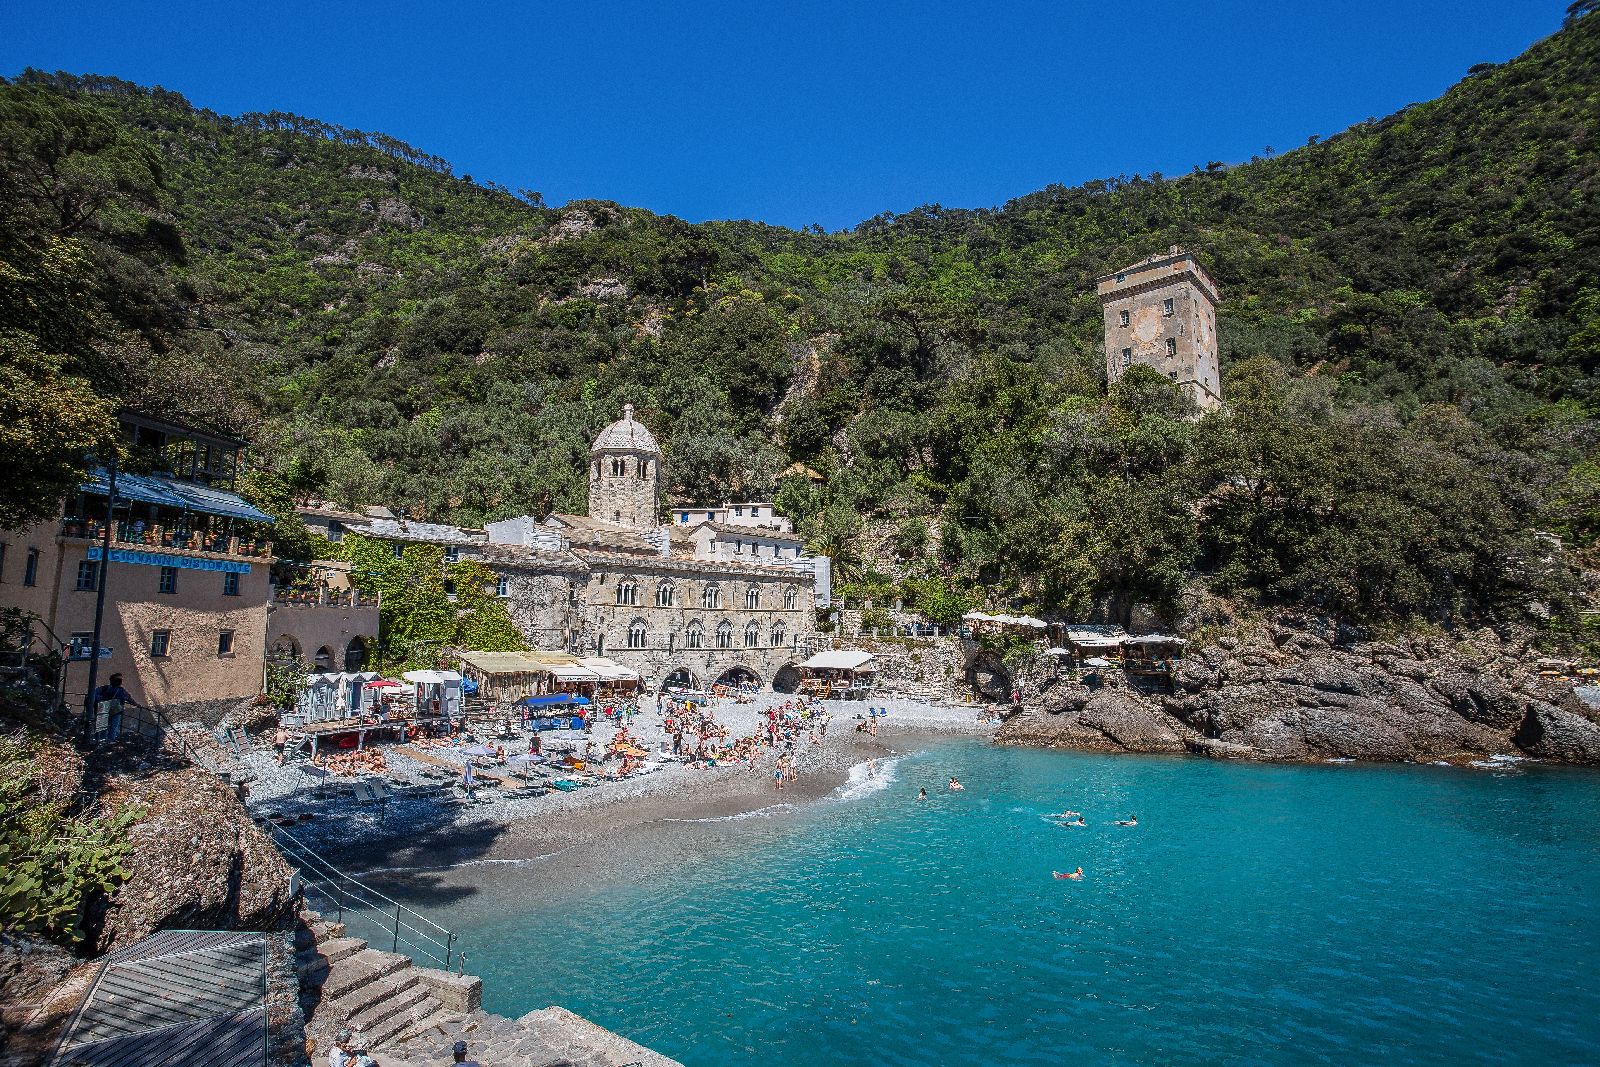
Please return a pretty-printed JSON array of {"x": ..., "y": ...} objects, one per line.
[{"x": 415, "y": 834}]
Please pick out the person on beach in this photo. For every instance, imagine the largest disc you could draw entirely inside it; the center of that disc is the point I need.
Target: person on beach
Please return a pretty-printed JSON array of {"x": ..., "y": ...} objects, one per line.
[
  {"x": 280, "y": 738},
  {"x": 955, "y": 784},
  {"x": 872, "y": 768}
]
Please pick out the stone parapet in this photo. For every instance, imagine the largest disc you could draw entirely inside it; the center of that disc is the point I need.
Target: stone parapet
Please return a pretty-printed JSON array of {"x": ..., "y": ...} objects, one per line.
[{"x": 457, "y": 992}]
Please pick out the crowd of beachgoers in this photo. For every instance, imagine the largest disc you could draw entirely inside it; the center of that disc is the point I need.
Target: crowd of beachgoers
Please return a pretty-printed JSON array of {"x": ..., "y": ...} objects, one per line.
[{"x": 497, "y": 770}]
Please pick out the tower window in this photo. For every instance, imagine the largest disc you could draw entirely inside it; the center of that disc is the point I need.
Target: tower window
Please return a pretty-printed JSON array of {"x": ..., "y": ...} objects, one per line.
[
  {"x": 502, "y": 586},
  {"x": 225, "y": 643},
  {"x": 618, "y": 466},
  {"x": 30, "y": 568},
  {"x": 1172, "y": 346},
  {"x": 1122, "y": 317},
  {"x": 1127, "y": 357},
  {"x": 1172, "y": 374},
  {"x": 1166, "y": 306},
  {"x": 664, "y": 595}
]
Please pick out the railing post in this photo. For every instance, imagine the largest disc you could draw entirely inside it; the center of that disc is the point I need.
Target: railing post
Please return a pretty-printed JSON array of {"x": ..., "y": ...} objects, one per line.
[{"x": 397, "y": 928}]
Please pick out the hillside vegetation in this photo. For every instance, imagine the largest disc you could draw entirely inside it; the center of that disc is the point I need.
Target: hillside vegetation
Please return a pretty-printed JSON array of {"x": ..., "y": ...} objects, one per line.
[{"x": 1410, "y": 334}]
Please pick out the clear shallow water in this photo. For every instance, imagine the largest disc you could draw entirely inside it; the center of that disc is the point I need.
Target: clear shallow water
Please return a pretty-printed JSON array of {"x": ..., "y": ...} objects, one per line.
[{"x": 1258, "y": 914}]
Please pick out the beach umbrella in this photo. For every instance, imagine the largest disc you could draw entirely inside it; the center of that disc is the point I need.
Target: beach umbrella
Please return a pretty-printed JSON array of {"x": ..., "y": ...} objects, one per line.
[
  {"x": 477, "y": 750},
  {"x": 1057, "y": 652},
  {"x": 1096, "y": 661},
  {"x": 384, "y": 683}
]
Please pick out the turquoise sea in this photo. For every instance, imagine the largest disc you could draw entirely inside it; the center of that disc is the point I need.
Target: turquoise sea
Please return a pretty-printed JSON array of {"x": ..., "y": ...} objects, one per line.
[{"x": 1257, "y": 914}]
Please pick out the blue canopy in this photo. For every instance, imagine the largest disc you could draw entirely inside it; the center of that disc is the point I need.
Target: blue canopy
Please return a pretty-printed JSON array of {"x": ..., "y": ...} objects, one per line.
[
  {"x": 555, "y": 699},
  {"x": 171, "y": 493}
]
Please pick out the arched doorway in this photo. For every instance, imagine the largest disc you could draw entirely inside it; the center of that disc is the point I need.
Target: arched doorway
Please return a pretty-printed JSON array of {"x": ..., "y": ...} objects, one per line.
[
  {"x": 286, "y": 649},
  {"x": 734, "y": 677},
  {"x": 988, "y": 677},
  {"x": 787, "y": 680},
  {"x": 355, "y": 654},
  {"x": 682, "y": 678},
  {"x": 324, "y": 659}
]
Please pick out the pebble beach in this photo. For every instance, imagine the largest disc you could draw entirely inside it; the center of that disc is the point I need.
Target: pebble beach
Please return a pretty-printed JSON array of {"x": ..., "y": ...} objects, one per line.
[{"x": 428, "y": 822}]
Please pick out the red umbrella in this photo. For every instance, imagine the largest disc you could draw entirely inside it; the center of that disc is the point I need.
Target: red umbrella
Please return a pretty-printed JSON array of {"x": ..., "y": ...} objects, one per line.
[{"x": 384, "y": 683}]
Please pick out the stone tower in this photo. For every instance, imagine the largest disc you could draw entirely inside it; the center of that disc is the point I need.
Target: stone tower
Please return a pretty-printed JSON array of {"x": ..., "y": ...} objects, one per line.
[
  {"x": 625, "y": 474},
  {"x": 1162, "y": 312}
]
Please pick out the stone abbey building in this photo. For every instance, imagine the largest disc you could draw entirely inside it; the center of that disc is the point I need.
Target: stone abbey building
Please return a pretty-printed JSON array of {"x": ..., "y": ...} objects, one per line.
[
  {"x": 1162, "y": 312},
  {"x": 727, "y": 595}
]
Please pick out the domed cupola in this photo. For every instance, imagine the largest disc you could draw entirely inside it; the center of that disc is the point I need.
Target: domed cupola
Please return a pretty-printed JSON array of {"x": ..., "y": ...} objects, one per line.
[{"x": 625, "y": 474}]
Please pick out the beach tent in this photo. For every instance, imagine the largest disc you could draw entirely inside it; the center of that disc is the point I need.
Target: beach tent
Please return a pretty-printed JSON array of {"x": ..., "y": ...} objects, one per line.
[
  {"x": 846, "y": 671},
  {"x": 437, "y": 692},
  {"x": 333, "y": 695}
]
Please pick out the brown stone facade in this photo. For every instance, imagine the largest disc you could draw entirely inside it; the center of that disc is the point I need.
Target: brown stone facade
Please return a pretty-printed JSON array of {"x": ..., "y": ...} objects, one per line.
[
  {"x": 330, "y": 631},
  {"x": 165, "y": 618},
  {"x": 1162, "y": 313}
]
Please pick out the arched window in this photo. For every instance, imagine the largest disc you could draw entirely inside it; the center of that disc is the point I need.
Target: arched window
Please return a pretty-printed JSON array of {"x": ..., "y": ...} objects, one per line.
[
  {"x": 752, "y": 636},
  {"x": 752, "y": 598},
  {"x": 724, "y": 636},
  {"x": 628, "y": 592},
  {"x": 619, "y": 466},
  {"x": 665, "y": 595},
  {"x": 594, "y": 469},
  {"x": 791, "y": 598},
  {"x": 711, "y": 597},
  {"x": 636, "y": 634},
  {"x": 644, "y": 470},
  {"x": 324, "y": 658},
  {"x": 695, "y": 636},
  {"x": 777, "y": 637}
]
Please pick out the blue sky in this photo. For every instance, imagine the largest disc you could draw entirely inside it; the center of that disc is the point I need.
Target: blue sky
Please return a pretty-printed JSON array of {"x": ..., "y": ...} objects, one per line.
[{"x": 796, "y": 113}]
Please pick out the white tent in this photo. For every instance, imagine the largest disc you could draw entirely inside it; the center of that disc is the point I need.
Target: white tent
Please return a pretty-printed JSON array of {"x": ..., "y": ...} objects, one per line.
[
  {"x": 852, "y": 659},
  {"x": 333, "y": 695},
  {"x": 432, "y": 677},
  {"x": 437, "y": 692},
  {"x": 608, "y": 670},
  {"x": 1058, "y": 652}
]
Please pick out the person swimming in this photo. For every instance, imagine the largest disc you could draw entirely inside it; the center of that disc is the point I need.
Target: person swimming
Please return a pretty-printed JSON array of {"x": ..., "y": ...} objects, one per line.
[
  {"x": 955, "y": 784},
  {"x": 1132, "y": 820},
  {"x": 1072, "y": 822},
  {"x": 922, "y": 794},
  {"x": 1066, "y": 815},
  {"x": 1075, "y": 876}
]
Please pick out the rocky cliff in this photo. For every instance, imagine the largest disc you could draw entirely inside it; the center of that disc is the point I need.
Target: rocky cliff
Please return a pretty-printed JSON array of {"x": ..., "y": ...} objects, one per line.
[{"x": 1297, "y": 689}]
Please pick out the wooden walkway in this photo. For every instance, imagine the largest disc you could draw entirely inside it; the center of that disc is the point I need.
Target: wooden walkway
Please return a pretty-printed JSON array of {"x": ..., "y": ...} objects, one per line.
[
  {"x": 504, "y": 779},
  {"x": 177, "y": 997}
]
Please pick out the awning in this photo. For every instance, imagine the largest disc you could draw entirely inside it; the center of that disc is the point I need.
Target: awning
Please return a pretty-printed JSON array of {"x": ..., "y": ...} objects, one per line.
[
  {"x": 512, "y": 662},
  {"x": 1057, "y": 652},
  {"x": 384, "y": 683},
  {"x": 554, "y": 700},
  {"x": 609, "y": 670},
  {"x": 848, "y": 659},
  {"x": 1154, "y": 639},
  {"x": 171, "y": 493},
  {"x": 431, "y": 677},
  {"x": 571, "y": 672}
]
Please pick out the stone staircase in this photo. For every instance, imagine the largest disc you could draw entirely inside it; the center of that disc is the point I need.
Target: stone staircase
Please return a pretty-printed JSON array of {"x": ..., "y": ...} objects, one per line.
[
  {"x": 384, "y": 995},
  {"x": 411, "y": 1016}
]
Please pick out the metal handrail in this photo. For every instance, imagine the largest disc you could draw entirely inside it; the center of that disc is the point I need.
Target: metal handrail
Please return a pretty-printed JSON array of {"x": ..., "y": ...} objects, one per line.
[{"x": 349, "y": 895}]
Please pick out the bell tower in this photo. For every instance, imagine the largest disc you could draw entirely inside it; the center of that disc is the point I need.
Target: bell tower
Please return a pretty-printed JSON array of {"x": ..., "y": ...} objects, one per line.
[{"x": 625, "y": 475}]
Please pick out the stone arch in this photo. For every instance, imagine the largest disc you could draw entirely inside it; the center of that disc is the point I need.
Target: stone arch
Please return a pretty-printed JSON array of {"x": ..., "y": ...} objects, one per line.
[
  {"x": 286, "y": 649},
  {"x": 681, "y": 677},
  {"x": 737, "y": 675},
  {"x": 988, "y": 677},
  {"x": 323, "y": 660},
  {"x": 787, "y": 680},
  {"x": 355, "y": 654}
]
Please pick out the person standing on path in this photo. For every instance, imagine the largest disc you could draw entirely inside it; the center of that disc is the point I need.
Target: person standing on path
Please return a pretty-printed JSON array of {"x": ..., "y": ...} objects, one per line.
[{"x": 112, "y": 693}]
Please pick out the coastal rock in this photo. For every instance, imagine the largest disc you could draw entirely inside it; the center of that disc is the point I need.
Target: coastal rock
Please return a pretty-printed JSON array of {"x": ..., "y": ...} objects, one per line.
[
  {"x": 1108, "y": 720},
  {"x": 197, "y": 862},
  {"x": 1570, "y": 735}
]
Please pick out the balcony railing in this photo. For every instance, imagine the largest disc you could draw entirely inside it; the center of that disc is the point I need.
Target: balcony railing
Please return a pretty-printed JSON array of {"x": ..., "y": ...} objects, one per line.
[
  {"x": 158, "y": 536},
  {"x": 322, "y": 598}
]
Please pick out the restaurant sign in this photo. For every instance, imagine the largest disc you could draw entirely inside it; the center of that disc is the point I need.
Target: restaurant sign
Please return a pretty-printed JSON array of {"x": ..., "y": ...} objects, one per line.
[{"x": 167, "y": 559}]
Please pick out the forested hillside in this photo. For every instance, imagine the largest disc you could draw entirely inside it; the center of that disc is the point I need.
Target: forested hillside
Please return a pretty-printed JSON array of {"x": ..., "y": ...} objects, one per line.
[{"x": 1410, "y": 330}]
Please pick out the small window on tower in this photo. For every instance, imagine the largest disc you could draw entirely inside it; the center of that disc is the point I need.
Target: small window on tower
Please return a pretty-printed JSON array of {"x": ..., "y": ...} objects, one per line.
[
  {"x": 1127, "y": 357},
  {"x": 1166, "y": 306},
  {"x": 1122, "y": 317},
  {"x": 1172, "y": 346}
]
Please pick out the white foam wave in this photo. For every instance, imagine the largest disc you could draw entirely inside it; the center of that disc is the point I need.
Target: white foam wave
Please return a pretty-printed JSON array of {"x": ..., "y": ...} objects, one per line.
[
  {"x": 863, "y": 780},
  {"x": 758, "y": 813},
  {"x": 466, "y": 863}
]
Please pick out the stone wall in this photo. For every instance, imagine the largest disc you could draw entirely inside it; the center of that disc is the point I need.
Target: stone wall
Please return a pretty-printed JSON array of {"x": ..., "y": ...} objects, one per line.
[{"x": 305, "y": 629}]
